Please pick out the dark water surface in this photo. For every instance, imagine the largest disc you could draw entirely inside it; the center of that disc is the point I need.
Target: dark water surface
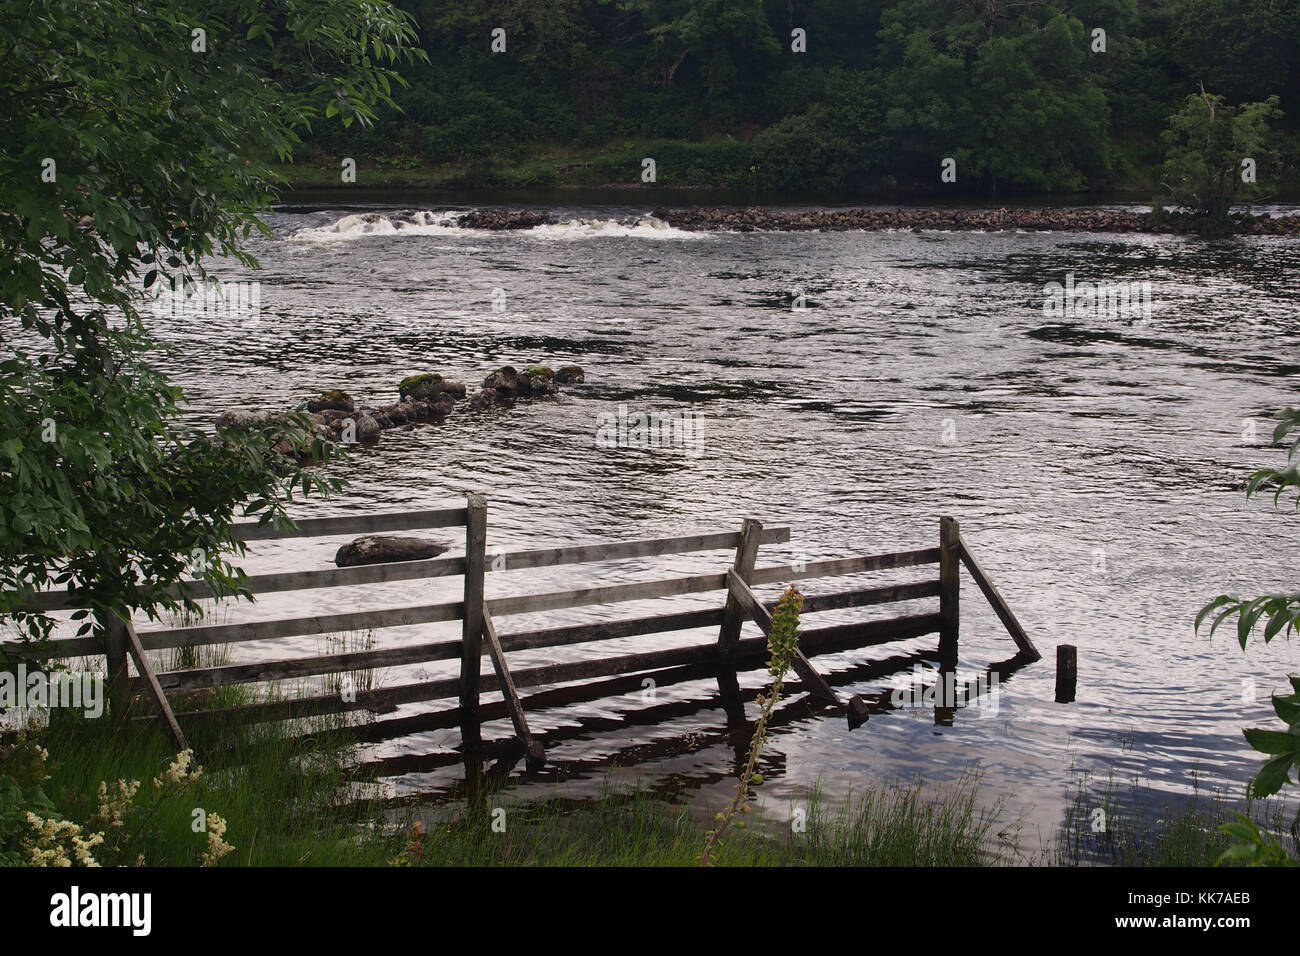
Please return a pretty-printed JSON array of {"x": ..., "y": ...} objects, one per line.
[{"x": 1094, "y": 463}]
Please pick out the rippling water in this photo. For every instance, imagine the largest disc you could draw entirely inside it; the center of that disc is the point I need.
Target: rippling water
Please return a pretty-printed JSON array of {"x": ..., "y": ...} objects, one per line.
[{"x": 1094, "y": 462}]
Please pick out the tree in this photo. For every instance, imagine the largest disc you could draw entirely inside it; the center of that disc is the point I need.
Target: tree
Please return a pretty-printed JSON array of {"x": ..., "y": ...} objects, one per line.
[
  {"x": 135, "y": 145},
  {"x": 1215, "y": 153},
  {"x": 1001, "y": 87}
]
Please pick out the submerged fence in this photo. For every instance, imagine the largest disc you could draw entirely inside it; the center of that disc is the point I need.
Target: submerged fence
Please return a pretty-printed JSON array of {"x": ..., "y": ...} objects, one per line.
[{"x": 118, "y": 641}]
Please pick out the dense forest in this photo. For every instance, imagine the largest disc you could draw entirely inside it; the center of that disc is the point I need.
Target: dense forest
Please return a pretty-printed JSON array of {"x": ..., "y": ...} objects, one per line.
[{"x": 847, "y": 95}]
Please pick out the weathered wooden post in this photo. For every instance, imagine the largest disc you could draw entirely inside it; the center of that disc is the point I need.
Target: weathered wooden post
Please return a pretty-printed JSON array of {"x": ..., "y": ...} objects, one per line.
[
  {"x": 751, "y": 532},
  {"x": 949, "y": 592},
  {"x": 1067, "y": 673},
  {"x": 472, "y": 626},
  {"x": 115, "y": 654}
]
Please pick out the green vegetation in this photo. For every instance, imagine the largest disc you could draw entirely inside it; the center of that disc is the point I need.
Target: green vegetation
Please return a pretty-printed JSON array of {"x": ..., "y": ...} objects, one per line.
[
  {"x": 1133, "y": 826},
  {"x": 1281, "y": 614},
  {"x": 1024, "y": 97},
  {"x": 131, "y": 157},
  {"x": 1215, "y": 151},
  {"x": 272, "y": 800},
  {"x": 782, "y": 646},
  {"x": 283, "y": 802},
  {"x": 277, "y": 801},
  {"x": 411, "y": 384}
]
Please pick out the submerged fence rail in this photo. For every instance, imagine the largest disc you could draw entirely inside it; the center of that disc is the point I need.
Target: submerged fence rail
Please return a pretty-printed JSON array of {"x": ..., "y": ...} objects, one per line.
[{"x": 117, "y": 640}]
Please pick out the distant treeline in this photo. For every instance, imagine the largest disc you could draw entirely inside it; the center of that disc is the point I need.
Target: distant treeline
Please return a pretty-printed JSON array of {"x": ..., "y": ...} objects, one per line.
[{"x": 1024, "y": 96}]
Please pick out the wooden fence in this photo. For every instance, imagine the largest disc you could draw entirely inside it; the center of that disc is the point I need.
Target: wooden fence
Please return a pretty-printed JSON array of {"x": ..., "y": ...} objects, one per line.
[{"x": 480, "y": 615}]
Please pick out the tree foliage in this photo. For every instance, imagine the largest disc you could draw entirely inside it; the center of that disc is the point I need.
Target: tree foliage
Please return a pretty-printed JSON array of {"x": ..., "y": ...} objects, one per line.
[
  {"x": 134, "y": 150},
  {"x": 1280, "y": 614},
  {"x": 1024, "y": 96},
  {"x": 1214, "y": 148}
]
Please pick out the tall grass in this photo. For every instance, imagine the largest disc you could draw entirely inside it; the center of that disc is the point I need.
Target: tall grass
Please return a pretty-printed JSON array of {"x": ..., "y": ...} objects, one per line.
[
  {"x": 1114, "y": 825},
  {"x": 891, "y": 825},
  {"x": 286, "y": 802}
]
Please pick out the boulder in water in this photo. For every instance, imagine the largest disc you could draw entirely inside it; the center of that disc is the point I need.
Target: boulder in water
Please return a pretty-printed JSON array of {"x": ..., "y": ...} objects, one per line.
[
  {"x": 381, "y": 549},
  {"x": 504, "y": 381},
  {"x": 242, "y": 418},
  {"x": 334, "y": 400}
]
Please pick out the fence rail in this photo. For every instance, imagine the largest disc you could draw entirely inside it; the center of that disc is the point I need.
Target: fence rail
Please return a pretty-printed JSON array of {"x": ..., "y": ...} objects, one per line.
[{"x": 116, "y": 638}]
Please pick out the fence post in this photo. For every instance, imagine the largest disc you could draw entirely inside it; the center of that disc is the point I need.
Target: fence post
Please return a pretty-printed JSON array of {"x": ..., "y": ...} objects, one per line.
[
  {"x": 119, "y": 680},
  {"x": 751, "y": 532},
  {"x": 950, "y": 586},
  {"x": 472, "y": 630},
  {"x": 746, "y": 556}
]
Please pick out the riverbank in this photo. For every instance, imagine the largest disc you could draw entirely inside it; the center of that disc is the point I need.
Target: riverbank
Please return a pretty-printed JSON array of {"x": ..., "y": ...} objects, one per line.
[
  {"x": 718, "y": 164},
  {"x": 268, "y": 799}
]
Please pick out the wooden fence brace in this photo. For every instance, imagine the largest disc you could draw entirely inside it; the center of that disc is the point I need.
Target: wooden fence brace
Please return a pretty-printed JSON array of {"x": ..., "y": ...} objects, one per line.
[
  {"x": 999, "y": 604},
  {"x": 159, "y": 698},
  {"x": 748, "y": 600},
  {"x": 115, "y": 652},
  {"x": 472, "y": 629},
  {"x": 949, "y": 593},
  {"x": 536, "y": 753}
]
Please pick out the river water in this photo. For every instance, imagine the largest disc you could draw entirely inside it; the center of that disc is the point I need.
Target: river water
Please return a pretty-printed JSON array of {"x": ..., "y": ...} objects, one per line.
[{"x": 1093, "y": 460}]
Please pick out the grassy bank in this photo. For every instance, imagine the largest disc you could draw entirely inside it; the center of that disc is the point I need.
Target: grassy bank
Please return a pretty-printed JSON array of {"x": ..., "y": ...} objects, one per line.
[
  {"x": 721, "y": 163},
  {"x": 278, "y": 801}
]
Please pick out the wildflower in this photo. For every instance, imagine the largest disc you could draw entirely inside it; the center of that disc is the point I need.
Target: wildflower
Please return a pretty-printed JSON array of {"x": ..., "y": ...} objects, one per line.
[
  {"x": 217, "y": 847},
  {"x": 55, "y": 838},
  {"x": 179, "y": 775},
  {"x": 113, "y": 808}
]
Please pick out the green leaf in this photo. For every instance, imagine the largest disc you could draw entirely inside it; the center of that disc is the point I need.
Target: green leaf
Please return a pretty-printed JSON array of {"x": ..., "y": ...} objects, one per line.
[{"x": 1270, "y": 777}]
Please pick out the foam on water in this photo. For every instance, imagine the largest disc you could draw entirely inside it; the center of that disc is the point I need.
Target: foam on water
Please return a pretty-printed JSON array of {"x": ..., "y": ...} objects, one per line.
[
  {"x": 364, "y": 224},
  {"x": 646, "y": 227},
  {"x": 446, "y": 222}
]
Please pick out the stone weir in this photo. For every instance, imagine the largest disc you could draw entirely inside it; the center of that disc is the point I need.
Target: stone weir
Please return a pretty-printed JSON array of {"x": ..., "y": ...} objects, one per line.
[
  {"x": 985, "y": 220},
  {"x": 1063, "y": 219},
  {"x": 422, "y": 399}
]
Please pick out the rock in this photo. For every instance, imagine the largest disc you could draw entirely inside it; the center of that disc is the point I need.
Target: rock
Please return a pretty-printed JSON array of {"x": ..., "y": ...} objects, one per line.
[
  {"x": 419, "y": 387},
  {"x": 569, "y": 375},
  {"x": 242, "y": 418},
  {"x": 380, "y": 549},
  {"x": 454, "y": 389},
  {"x": 504, "y": 380},
  {"x": 368, "y": 429},
  {"x": 332, "y": 401},
  {"x": 332, "y": 417},
  {"x": 485, "y": 398},
  {"x": 537, "y": 380},
  {"x": 503, "y": 219}
]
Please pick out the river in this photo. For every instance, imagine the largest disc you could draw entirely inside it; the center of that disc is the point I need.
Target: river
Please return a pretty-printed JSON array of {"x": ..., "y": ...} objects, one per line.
[{"x": 1094, "y": 462}]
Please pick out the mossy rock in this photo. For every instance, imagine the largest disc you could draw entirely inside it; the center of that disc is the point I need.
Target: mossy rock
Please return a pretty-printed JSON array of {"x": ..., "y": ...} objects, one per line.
[
  {"x": 420, "y": 386},
  {"x": 504, "y": 380},
  {"x": 335, "y": 399},
  {"x": 539, "y": 371}
]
